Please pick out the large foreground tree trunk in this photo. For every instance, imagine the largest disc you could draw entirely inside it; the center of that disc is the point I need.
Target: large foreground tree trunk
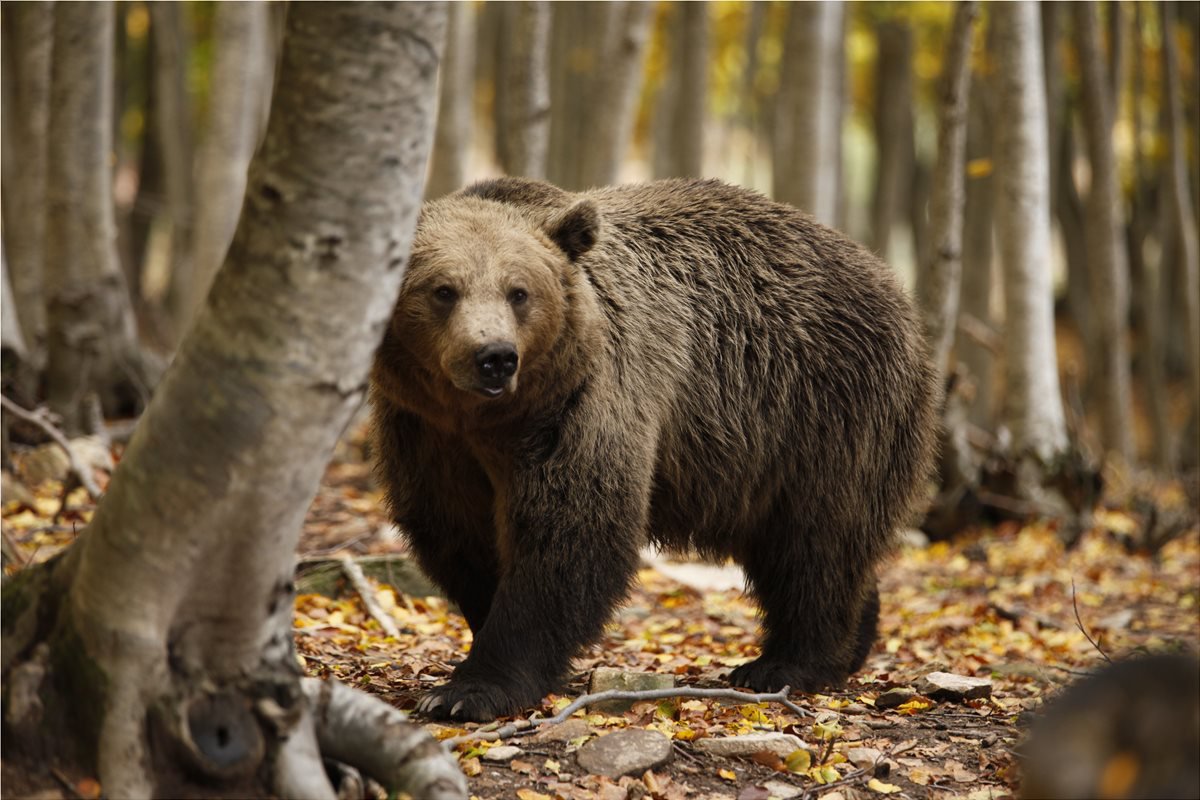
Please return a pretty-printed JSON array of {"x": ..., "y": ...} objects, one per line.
[
  {"x": 92, "y": 338},
  {"x": 168, "y": 623},
  {"x": 1033, "y": 410}
]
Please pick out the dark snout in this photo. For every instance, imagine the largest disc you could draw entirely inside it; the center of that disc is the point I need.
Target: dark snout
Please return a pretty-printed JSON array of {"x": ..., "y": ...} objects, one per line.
[{"x": 496, "y": 364}]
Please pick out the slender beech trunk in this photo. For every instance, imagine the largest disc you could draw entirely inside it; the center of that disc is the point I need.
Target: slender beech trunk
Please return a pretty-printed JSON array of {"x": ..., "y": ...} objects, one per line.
[
  {"x": 92, "y": 341},
  {"x": 172, "y": 636},
  {"x": 976, "y": 353},
  {"x": 576, "y": 54},
  {"x": 941, "y": 278},
  {"x": 28, "y": 37},
  {"x": 685, "y": 97},
  {"x": 808, "y": 114},
  {"x": 1034, "y": 411},
  {"x": 525, "y": 71},
  {"x": 171, "y": 43},
  {"x": 893, "y": 130},
  {"x": 1105, "y": 241},
  {"x": 1184, "y": 223},
  {"x": 456, "y": 104},
  {"x": 243, "y": 70}
]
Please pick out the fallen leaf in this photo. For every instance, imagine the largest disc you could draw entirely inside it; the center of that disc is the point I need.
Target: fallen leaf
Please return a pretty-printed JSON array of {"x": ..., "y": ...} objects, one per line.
[{"x": 876, "y": 785}]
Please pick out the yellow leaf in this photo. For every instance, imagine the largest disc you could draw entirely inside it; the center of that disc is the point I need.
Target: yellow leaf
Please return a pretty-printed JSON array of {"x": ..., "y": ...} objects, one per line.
[
  {"x": 798, "y": 761},
  {"x": 827, "y": 774},
  {"x": 827, "y": 731},
  {"x": 471, "y": 767},
  {"x": 530, "y": 794},
  {"x": 913, "y": 706},
  {"x": 727, "y": 774},
  {"x": 876, "y": 785},
  {"x": 979, "y": 168}
]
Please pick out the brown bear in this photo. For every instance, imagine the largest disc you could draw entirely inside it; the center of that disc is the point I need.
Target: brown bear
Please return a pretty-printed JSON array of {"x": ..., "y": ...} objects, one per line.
[{"x": 568, "y": 377}]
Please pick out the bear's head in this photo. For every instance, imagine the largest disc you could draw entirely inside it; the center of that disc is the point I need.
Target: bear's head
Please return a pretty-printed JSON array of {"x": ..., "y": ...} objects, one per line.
[{"x": 487, "y": 293}]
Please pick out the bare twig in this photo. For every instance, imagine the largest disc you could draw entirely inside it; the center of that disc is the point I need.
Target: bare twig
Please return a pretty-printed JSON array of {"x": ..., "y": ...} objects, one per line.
[
  {"x": 38, "y": 418},
  {"x": 522, "y": 726},
  {"x": 1083, "y": 630},
  {"x": 355, "y": 575}
]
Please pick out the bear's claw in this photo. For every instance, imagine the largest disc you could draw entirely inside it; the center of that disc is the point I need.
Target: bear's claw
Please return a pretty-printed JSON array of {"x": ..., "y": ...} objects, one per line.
[
  {"x": 472, "y": 701},
  {"x": 769, "y": 675}
]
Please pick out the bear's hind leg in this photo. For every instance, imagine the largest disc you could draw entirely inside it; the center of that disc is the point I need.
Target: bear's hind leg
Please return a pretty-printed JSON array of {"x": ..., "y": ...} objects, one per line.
[{"x": 819, "y": 611}]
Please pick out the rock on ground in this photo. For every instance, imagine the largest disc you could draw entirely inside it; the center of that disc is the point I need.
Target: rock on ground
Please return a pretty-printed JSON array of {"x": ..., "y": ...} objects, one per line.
[
  {"x": 948, "y": 686},
  {"x": 781, "y": 744},
  {"x": 607, "y": 679},
  {"x": 627, "y": 752}
]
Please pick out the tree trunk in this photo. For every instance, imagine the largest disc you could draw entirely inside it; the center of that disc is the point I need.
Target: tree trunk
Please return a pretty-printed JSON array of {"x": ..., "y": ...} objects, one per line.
[
  {"x": 808, "y": 115},
  {"x": 683, "y": 98},
  {"x": 1034, "y": 412},
  {"x": 1184, "y": 223},
  {"x": 242, "y": 72},
  {"x": 893, "y": 130},
  {"x": 525, "y": 115},
  {"x": 92, "y": 342},
  {"x": 618, "y": 86},
  {"x": 1109, "y": 275},
  {"x": 576, "y": 53},
  {"x": 941, "y": 277},
  {"x": 974, "y": 352},
  {"x": 174, "y": 626},
  {"x": 171, "y": 44},
  {"x": 28, "y": 37},
  {"x": 456, "y": 104}
]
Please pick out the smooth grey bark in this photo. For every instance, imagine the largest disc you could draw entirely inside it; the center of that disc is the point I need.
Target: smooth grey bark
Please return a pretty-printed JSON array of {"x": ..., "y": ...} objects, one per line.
[
  {"x": 524, "y": 117},
  {"x": 893, "y": 130},
  {"x": 11, "y": 336},
  {"x": 91, "y": 336},
  {"x": 28, "y": 38},
  {"x": 683, "y": 98},
  {"x": 242, "y": 73},
  {"x": 808, "y": 112},
  {"x": 1183, "y": 215},
  {"x": 1034, "y": 410},
  {"x": 597, "y": 55},
  {"x": 1109, "y": 275},
  {"x": 941, "y": 277},
  {"x": 974, "y": 350},
  {"x": 171, "y": 46},
  {"x": 177, "y": 603},
  {"x": 456, "y": 104}
]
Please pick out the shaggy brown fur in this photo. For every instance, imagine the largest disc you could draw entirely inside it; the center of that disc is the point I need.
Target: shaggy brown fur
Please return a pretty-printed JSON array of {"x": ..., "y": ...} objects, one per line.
[{"x": 568, "y": 376}]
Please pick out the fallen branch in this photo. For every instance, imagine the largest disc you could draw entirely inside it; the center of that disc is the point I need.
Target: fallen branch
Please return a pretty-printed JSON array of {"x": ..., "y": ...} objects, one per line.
[
  {"x": 1083, "y": 630},
  {"x": 523, "y": 726},
  {"x": 38, "y": 418},
  {"x": 355, "y": 575}
]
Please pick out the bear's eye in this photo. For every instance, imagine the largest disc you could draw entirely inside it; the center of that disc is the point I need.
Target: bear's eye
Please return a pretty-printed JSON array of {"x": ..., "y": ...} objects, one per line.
[
  {"x": 445, "y": 294},
  {"x": 518, "y": 296}
]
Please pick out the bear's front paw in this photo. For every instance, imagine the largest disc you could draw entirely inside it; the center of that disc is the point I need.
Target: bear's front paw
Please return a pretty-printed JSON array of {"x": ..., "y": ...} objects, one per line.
[
  {"x": 473, "y": 700},
  {"x": 770, "y": 675}
]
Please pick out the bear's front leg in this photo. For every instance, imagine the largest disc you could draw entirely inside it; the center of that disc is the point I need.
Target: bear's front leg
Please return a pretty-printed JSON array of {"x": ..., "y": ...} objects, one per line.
[{"x": 571, "y": 528}]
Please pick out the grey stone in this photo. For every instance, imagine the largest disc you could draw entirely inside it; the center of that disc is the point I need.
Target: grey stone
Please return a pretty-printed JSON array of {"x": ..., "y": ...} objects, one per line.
[
  {"x": 563, "y": 732},
  {"x": 948, "y": 686},
  {"x": 863, "y": 757},
  {"x": 627, "y": 752},
  {"x": 505, "y": 752},
  {"x": 784, "y": 791},
  {"x": 895, "y": 697},
  {"x": 606, "y": 679},
  {"x": 781, "y": 744}
]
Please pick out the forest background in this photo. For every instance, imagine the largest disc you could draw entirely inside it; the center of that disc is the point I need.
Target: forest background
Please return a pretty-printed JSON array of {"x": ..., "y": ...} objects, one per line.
[{"x": 1029, "y": 169}]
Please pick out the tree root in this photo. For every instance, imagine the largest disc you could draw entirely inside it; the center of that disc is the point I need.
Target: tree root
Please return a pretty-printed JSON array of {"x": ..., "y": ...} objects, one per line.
[{"x": 363, "y": 731}]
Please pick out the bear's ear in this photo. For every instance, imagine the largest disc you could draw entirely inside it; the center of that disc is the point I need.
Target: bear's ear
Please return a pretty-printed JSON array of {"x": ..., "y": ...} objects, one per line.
[{"x": 575, "y": 230}]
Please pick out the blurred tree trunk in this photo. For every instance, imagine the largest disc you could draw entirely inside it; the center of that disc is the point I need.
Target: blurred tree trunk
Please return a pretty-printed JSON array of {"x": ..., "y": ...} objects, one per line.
[
  {"x": 683, "y": 99},
  {"x": 1184, "y": 224},
  {"x": 524, "y": 116},
  {"x": 750, "y": 101},
  {"x": 1034, "y": 410},
  {"x": 242, "y": 72},
  {"x": 893, "y": 130},
  {"x": 940, "y": 280},
  {"x": 975, "y": 352},
  {"x": 92, "y": 341},
  {"x": 171, "y": 46},
  {"x": 12, "y": 340},
  {"x": 808, "y": 113},
  {"x": 28, "y": 34},
  {"x": 174, "y": 609},
  {"x": 456, "y": 104},
  {"x": 1105, "y": 241}
]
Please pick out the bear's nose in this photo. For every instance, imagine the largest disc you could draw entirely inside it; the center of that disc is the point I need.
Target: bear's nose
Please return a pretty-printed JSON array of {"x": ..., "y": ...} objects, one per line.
[{"x": 497, "y": 361}]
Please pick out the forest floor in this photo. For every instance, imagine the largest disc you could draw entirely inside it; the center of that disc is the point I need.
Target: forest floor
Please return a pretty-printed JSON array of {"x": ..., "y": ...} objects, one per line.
[{"x": 1007, "y": 603}]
